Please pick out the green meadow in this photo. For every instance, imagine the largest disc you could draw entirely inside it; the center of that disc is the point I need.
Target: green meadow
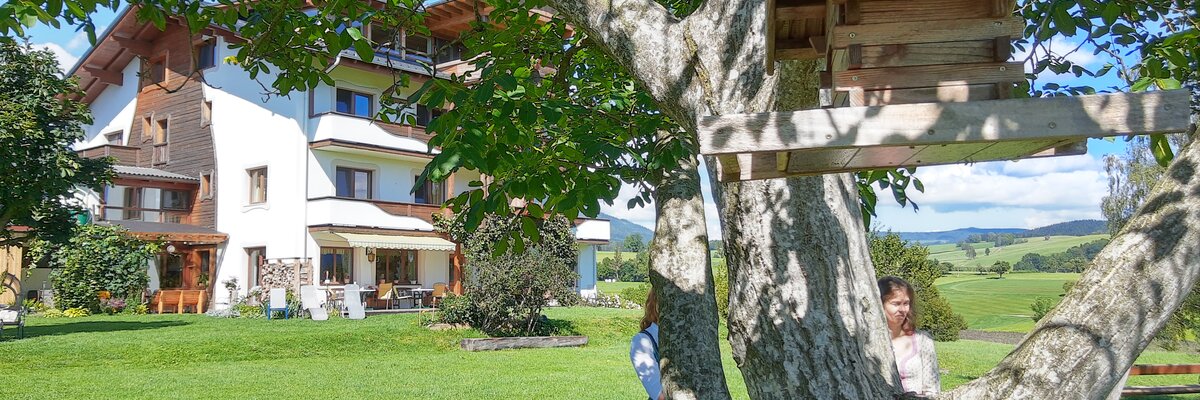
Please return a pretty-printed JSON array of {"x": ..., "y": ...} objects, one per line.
[
  {"x": 1012, "y": 253},
  {"x": 989, "y": 303}
]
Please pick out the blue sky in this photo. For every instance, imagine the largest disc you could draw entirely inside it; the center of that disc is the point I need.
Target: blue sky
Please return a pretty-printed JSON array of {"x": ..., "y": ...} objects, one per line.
[{"x": 1023, "y": 194}]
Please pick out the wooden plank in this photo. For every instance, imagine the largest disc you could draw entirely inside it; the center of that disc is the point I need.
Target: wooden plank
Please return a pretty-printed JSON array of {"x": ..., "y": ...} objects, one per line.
[
  {"x": 523, "y": 342},
  {"x": 1164, "y": 369},
  {"x": 886, "y": 11},
  {"x": 795, "y": 50},
  {"x": 928, "y": 75},
  {"x": 907, "y": 55},
  {"x": 1113, "y": 114},
  {"x": 1004, "y": 7},
  {"x": 137, "y": 47},
  {"x": 1159, "y": 390},
  {"x": 796, "y": 10},
  {"x": 940, "y": 94},
  {"x": 105, "y": 76},
  {"x": 926, "y": 32}
]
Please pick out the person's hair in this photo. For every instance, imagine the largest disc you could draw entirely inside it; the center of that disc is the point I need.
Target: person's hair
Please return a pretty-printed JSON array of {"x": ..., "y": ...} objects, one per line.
[
  {"x": 888, "y": 286},
  {"x": 651, "y": 310}
]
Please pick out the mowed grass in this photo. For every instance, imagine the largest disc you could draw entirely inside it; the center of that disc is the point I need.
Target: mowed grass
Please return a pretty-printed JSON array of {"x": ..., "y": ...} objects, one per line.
[
  {"x": 616, "y": 287},
  {"x": 1012, "y": 253},
  {"x": 1000, "y": 304},
  {"x": 387, "y": 356}
]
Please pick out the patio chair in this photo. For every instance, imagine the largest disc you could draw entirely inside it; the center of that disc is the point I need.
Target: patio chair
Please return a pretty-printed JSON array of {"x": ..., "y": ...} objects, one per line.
[
  {"x": 13, "y": 316},
  {"x": 353, "y": 303},
  {"x": 311, "y": 303},
  {"x": 439, "y": 293},
  {"x": 386, "y": 294},
  {"x": 278, "y": 302}
]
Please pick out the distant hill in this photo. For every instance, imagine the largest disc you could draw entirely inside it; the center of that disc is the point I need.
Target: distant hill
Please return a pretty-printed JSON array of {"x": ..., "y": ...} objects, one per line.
[
  {"x": 953, "y": 236},
  {"x": 620, "y": 228},
  {"x": 1081, "y": 227},
  {"x": 1070, "y": 228}
]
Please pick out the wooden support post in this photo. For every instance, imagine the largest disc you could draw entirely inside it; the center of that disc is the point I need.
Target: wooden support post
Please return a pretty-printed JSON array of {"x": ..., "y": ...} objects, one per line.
[
  {"x": 104, "y": 76},
  {"x": 137, "y": 47},
  {"x": 200, "y": 303}
]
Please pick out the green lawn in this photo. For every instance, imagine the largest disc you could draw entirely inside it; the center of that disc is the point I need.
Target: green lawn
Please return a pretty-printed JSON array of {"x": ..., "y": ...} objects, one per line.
[
  {"x": 615, "y": 287},
  {"x": 189, "y": 356},
  {"x": 1000, "y": 304},
  {"x": 1012, "y": 254}
]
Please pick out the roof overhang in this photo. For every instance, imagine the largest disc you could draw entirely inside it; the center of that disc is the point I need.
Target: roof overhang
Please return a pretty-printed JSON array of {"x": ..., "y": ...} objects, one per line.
[
  {"x": 191, "y": 234},
  {"x": 385, "y": 241}
]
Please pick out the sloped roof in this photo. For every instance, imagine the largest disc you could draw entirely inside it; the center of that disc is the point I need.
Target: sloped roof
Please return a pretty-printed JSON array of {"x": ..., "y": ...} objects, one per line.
[{"x": 142, "y": 172}]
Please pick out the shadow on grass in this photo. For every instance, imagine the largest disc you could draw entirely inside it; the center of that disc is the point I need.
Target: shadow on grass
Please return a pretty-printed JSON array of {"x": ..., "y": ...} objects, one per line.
[{"x": 96, "y": 326}]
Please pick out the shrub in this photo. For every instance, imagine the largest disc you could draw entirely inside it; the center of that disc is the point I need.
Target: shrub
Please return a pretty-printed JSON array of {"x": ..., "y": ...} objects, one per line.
[
  {"x": 456, "y": 309},
  {"x": 53, "y": 313},
  {"x": 896, "y": 257},
  {"x": 112, "y": 305},
  {"x": 138, "y": 309},
  {"x": 1042, "y": 306},
  {"x": 96, "y": 259},
  {"x": 514, "y": 268},
  {"x": 935, "y": 315},
  {"x": 243, "y": 310},
  {"x": 636, "y": 294},
  {"x": 75, "y": 312},
  {"x": 609, "y": 301}
]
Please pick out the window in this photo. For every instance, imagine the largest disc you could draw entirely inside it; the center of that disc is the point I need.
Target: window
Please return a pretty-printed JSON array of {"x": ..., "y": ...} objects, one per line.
[
  {"x": 174, "y": 200},
  {"x": 114, "y": 138},
  {"x": 385, "y": 38},
  {"x": 355, "y": 183},
  {"x": 170, "y": 271},
  {"x": 205, "y": 113},
  {"x": 355, "y": 103},
  {"x": 396, "y": 266},
  {"x": 161, "y": 134},
  {"x": 206, "y": 188},
  {"x": 424, "y": 115},
  {"x": 416, "y": 44},
  {"x": 256, "y": 258},
  {"x": 206, "y": 54},
  {"x": 335, "y": 265},
  {"x": 147, "y": 128},
  {"x": 258, "y": 185},
  {"x": 445, "y": 52},
  {"x": 132, "y": 204},
  {"x": 205, "y": 267},
  {"x": 155, "y": 72},
  {"x": 430, "y": 192}
]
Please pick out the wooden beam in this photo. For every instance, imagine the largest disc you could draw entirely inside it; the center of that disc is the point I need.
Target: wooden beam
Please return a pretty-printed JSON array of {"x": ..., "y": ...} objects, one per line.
[
  {"x": 1004, "y": 8},
  {"x": 940, "y": 94},
  {"x": 796, "y": 50},
  {"x": 137, "y": 47},
  {"x": 772, "y": 26},
  {"x": 882, "y": 12},
  {"x": 1062, "y": 118},
  {"x": 1164, "y": 369},
  {"x": 927, "y": 32},
  {"x": 928, "y": 75},
  {"x": 909, "y": 55},
  {"x": 105, "y": 76}
]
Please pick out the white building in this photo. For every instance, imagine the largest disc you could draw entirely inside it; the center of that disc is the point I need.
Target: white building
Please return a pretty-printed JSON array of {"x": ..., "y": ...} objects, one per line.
[{"x": 234, "y": 180}]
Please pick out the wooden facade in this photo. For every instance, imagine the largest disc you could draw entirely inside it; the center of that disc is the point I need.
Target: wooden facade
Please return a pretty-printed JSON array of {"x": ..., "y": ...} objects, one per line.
[
  {"x": 11, "y": 263},
  {"x": 178, "y": 100}
]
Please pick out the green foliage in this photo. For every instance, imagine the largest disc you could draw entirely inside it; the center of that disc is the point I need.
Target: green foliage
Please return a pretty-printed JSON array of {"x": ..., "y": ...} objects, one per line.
[
  {"x": 1164, "y": 35},
  {"x": 970, "y": 252},
  {"x": 38, "y": 124},
  {"x": 456, "y": 309},
  {"x": 1075, "y": 259},
  {"x": 895, "y": 257},
  {"x": 76, "y": 312},
  {"x": 507, "y": 287},
  {"x": 634, "y": 243},
  {"x": 97, "y": 258},
  {"x": 636, "y": 294},
  {"x": 898, "y": 180},
  {"x": 1000, "y": 268},
  {"x": 1042, "y": 306},
  {"x": 721, "y": 286}
]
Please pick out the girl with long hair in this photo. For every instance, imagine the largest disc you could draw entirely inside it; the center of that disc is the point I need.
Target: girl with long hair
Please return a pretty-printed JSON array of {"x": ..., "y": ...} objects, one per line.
[
  {"x": 643, "y": 350},
  {"x": 916, "y": 359}
]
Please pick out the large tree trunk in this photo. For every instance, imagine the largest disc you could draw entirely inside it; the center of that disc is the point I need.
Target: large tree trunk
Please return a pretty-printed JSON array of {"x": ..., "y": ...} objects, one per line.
[
  {"x": 683, "y": 281},
  {"x": 804, "y": 313},
  {"x": 1083, "y": 347}
]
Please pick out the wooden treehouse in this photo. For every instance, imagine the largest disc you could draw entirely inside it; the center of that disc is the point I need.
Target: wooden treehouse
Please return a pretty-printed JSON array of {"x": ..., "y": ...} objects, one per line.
[{"x": 914, "y": 83}]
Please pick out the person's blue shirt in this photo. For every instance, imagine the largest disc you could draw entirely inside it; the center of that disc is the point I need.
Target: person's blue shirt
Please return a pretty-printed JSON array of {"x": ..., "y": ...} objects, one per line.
[{"x": 643, "y": 353}]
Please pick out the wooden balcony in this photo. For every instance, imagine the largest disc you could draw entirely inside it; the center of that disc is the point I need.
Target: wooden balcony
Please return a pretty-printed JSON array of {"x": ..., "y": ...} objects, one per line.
[
  {"x": 113, "y": 213},
  {"x": 124, "y": 155},
  {"x": 343, "y": 211}
]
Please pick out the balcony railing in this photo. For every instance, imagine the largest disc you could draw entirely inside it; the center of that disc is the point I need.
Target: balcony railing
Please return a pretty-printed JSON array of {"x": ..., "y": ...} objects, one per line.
[
  {"x": 113, "y": 213},
  {"x": 125, "y": 155},
  {"x": 372, "y": 212}
]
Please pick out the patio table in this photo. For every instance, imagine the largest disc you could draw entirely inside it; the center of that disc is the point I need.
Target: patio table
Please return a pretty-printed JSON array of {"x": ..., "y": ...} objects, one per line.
[{"x": 419, "y": 293}]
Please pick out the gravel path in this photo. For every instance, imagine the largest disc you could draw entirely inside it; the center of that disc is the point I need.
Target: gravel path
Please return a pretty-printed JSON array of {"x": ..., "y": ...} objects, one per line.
[{"x": 996, "y": 337}]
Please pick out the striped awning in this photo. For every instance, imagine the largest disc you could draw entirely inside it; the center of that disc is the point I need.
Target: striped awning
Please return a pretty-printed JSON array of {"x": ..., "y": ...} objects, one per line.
[{"x": 388, "y": 241}]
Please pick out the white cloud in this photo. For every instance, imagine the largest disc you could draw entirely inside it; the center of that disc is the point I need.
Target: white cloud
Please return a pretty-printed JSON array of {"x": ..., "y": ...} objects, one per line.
[
  {"x": 66, "y": 60},
  {"x": 80, "y": 40},
  {"x": 643, "y": 216},
  {"x": 1063, "y": 184}
]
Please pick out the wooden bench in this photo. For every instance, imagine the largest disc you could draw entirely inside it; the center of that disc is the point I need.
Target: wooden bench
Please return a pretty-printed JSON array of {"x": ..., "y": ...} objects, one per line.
[
  {"x": 1162, "y": 369},
  {"x": 177, "y": 299}
]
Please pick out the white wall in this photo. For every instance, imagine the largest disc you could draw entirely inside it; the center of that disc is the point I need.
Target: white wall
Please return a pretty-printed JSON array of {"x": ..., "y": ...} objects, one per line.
[
  {"x": 249, "y": 132},
  {"x": 113, "y": 109}
]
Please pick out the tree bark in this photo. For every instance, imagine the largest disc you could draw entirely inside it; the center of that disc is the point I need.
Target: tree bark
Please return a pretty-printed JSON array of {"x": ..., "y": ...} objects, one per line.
[
  {"x": 804, "y": 312},
  {"x": 683, "y": 282},
  {"x": 1084, "y": 346}
]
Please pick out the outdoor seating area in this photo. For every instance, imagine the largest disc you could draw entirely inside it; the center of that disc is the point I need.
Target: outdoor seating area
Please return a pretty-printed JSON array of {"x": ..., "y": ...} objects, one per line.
[{"x": 383, "y": 298}]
